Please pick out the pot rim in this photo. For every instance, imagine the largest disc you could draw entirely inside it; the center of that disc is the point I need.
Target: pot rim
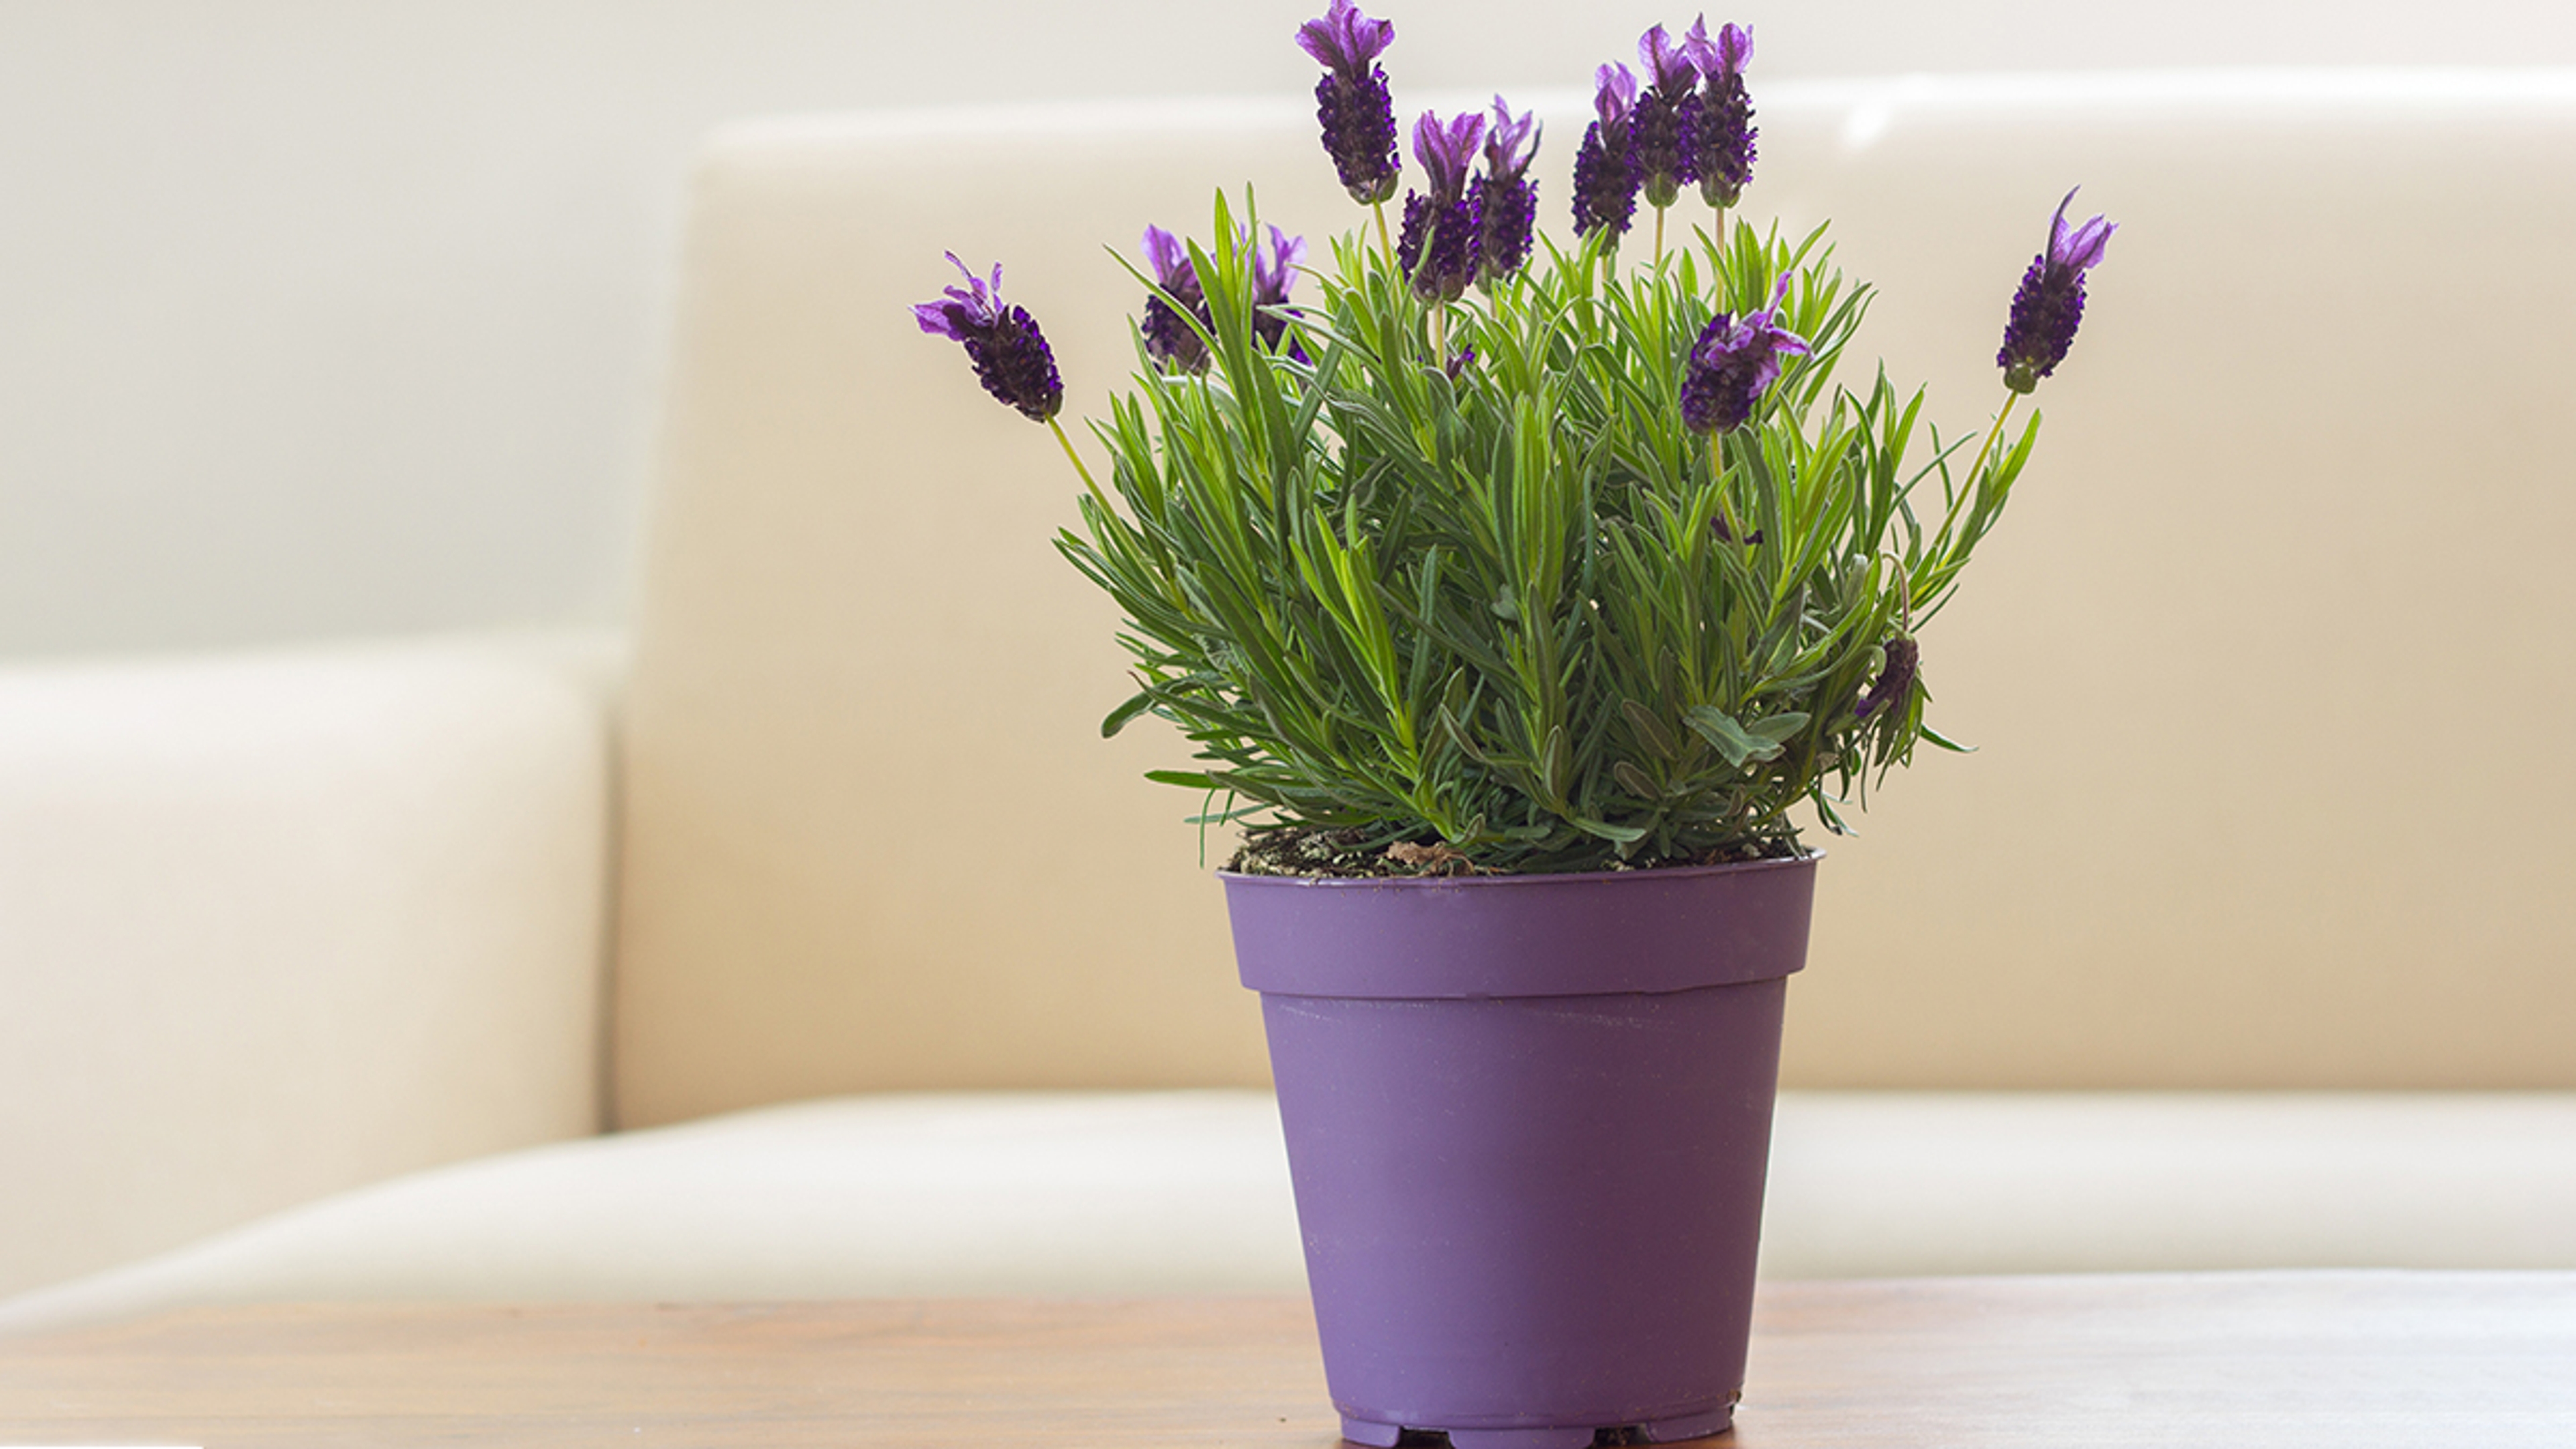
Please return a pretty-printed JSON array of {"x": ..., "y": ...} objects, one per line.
[
  {"x": 1807, "y": 856},
  {"x": 1573, "y": 933}
]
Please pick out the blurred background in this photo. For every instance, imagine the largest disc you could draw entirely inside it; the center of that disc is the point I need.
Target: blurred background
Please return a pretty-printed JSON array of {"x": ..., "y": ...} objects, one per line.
[{"x": 324, "y": 320}]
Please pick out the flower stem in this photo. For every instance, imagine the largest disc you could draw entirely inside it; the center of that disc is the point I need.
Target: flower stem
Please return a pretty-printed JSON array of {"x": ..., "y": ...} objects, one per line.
[
  {"x": 1659, "y": 236},
  {"x": 1383, "y": 244},
  {"x": 1717, "y": 474},
  {"x": 1076, "y": 458},
  {"x": 1993, "y": 433}
]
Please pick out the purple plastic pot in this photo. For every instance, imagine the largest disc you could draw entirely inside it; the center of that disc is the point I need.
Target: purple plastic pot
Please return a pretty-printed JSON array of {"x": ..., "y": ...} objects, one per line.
[{"x": 1528, "y": 1118}]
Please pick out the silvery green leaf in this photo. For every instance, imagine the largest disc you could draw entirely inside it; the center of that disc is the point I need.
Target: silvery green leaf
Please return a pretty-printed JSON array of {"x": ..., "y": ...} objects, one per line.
[
  {"x": 1731, "y": 739},
  {"x": 1650, "y": 729},
  {"x": 1778, "y": 728}
]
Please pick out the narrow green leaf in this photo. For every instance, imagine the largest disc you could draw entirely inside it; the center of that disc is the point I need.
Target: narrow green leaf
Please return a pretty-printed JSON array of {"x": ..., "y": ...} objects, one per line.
[
  {"x": 1117, "y": 718},
  {"x": 1651, "y": 729},
  {"x": 1622, "y": 834}
]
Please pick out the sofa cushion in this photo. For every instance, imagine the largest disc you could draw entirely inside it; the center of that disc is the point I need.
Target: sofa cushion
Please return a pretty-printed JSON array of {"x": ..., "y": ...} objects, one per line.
[
  {"x": 1187, "y": 1192},
  {"x": 1901, "y": 1183},
  {"x": 855, "y": 1197},
  {"x": 279, "y": 923}
]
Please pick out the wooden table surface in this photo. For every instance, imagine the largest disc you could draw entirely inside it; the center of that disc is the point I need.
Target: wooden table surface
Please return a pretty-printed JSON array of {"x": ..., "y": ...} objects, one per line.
[{"x": 2332, "y": 1360}]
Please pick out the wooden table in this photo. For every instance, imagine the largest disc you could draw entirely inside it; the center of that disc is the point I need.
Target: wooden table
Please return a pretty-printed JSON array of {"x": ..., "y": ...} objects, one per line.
[{"x": 2333, "y": 1360}]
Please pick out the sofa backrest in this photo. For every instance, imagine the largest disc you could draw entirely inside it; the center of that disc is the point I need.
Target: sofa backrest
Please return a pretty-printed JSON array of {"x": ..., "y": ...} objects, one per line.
[{"x": 2263, "y": 666}]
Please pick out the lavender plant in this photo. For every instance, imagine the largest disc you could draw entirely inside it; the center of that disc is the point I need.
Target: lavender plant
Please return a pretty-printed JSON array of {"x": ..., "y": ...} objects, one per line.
[{"x": 1584, "y": 567}]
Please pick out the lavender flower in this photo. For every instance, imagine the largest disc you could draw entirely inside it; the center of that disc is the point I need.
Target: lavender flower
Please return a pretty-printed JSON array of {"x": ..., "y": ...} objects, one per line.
[
  {"x": 1274, "y": 272},
  {"x": 1656, "y": 128},
  {"x": 1351, "y": 101},
  {"x": 1893, "y": 681},
  {"x": 1169, "y": 338},
  {"x": 2050, "y": 302},
  {"x": 1718, "y": 141},
  {"x": 1438, "y": 248},
  {"x": 1503, "y": 198},
  {"x": 1733, "y": 363},
  {"x": 1605, "y": 169},
  {"x": 1011, "y": 356}
]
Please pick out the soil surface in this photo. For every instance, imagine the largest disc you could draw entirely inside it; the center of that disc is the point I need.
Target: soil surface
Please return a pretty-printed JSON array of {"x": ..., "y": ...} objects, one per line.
[{"x": 1361, "y": 852}]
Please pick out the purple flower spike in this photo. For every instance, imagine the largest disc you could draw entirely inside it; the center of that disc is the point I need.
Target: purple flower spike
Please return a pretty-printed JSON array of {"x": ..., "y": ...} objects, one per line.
[
  {"x": 1169, "y": 339},
  {"x": 2049, "y": 305},
  {"x": 1504, "y": 199},
  {"x": 1351, "y": 101},
  {"x": 1720, "y": 136},
  {"x": 1662, "y": 119},
  {"x": 1439, "y": 246},
  {"x": 1274, "y": 272},
  {"x": 1733, "y": 363},
  {"x": 1606, "y": 175},
  {"x": 1010, "y": 354},
  {"x": 1894, "y": 681}
]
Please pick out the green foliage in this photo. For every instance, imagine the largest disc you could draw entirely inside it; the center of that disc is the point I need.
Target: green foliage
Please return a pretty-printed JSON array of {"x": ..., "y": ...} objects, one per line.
[{"x": 1525, "y": 613}]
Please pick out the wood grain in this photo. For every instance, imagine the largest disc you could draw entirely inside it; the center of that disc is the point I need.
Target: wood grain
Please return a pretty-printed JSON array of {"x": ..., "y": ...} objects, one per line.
[{"x": 2346, "y": 1360}]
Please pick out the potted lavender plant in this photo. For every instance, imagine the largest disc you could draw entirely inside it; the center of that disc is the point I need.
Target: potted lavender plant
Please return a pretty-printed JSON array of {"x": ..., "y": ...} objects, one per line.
[{"x": 1514, "y": 594}]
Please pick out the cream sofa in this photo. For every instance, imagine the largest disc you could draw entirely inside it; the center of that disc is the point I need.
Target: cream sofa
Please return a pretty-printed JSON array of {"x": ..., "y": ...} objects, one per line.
[{"x": 2243, "y": 941}]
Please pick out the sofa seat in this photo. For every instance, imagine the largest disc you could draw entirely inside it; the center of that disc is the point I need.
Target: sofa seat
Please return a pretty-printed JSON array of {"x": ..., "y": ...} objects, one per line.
[{"x": 1187, "y": 1192}]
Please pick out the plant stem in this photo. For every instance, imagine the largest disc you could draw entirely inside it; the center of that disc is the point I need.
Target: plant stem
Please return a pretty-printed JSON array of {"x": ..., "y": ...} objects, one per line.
[
  {"x": 1659, "y": 236},
  {"x": 1992, "y": 433},
  {"x": 1717, "y": 231},
  {"x": 1717, "y": 475},
  {"x": 1076, "y": 459},
  {"x": 1440, "y": 335},
  {"x": 1383, "y": 244}
]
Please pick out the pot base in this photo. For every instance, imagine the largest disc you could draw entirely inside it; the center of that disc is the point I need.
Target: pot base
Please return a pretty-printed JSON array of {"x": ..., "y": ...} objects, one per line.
[{"x": 1658, "y": 1431}]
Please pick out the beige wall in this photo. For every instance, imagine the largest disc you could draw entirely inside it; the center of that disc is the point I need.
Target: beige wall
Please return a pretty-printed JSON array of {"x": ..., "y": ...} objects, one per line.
[{"x": 320, "y": 318}]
